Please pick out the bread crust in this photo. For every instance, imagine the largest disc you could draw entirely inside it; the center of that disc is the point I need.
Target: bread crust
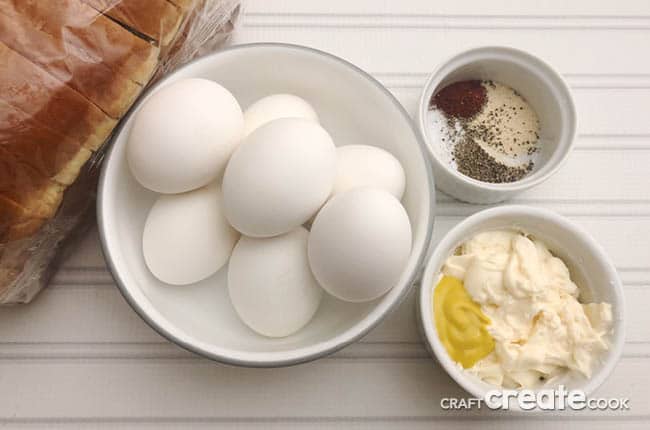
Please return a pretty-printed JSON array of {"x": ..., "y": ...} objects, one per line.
[
  {"x": 111, "y": 91},
  {"x": 47, "y": 100},
  {"x": 52, "y": 154},
  {"x": 158, "y": 20},
  {"x": 86, "y": 31}
]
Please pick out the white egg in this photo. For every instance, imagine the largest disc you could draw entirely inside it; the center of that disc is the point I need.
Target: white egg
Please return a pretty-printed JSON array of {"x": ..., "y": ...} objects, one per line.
[
  {"x": 364, "y": 165},
  {"x": 183, "y": 136},
  {"x": 359, "y": 244},
  {"x": 270, "y": 284},
  {"x": 275, "y": 107},
  {"x": 186, "y": 236},
  {"x": 278, "y": 177}
]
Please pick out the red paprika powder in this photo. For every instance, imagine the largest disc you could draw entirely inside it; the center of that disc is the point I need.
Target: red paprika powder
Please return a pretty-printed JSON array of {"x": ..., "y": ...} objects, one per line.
[{"x": 460, "y": 100}]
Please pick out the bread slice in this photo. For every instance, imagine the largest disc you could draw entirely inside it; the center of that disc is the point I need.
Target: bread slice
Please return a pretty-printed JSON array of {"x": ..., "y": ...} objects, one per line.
[
  {"x": 52, "y": 154},
  {"x": 186, "y": 5},
  {"x": 11, "y": 215},
  {"x": 27, "y": 201},
  {"x": 158, "y": 20},
  {"x": 15, "y": 222},
  {"x": 34, "y": 245},
  {"x": 111, "y": 91},
  {"x": 89, "y": 33},
  {"x": 36, "y": 195},
  {"x": 47, "y": 100}
]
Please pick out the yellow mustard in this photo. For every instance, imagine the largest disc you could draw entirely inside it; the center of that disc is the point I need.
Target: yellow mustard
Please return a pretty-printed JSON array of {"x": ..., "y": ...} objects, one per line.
[{"x": 461, "y": 325}]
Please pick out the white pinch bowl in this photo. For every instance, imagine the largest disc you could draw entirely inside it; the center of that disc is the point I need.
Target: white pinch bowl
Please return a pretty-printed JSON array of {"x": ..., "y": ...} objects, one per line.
[
  {"x": 588, "y": 264},
  {"x": 542, "y": 87},
  {"x": 354, "y": 108}
]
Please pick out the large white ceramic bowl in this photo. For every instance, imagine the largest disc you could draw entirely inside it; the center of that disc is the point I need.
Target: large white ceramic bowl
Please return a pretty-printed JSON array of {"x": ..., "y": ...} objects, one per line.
[
  {"x": 543, "y": 88},
  {"x": 355, "y": 109},
  {"x": 588, "y": 264}
]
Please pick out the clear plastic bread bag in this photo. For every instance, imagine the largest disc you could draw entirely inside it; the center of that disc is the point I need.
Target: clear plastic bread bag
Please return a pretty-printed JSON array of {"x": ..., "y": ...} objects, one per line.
[{"x": 69, "y": 71}]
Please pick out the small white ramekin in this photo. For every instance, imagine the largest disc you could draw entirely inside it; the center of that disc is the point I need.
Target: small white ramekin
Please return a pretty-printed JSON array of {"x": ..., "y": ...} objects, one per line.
[
  {"x": 590, "y": 269},
  {"x": 543, "y": 88}
]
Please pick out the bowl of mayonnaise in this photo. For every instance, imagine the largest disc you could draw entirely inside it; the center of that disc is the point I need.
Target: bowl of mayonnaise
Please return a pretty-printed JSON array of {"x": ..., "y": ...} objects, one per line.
[{"x": 518, "y": 298}]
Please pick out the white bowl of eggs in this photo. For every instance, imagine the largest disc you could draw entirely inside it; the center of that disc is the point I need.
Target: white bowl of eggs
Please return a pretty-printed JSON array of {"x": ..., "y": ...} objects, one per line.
[{"x": 266, "y": 205}]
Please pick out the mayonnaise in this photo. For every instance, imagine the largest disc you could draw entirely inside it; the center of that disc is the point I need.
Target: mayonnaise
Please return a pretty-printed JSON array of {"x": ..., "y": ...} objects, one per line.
[{"x": 540, "y": 330}]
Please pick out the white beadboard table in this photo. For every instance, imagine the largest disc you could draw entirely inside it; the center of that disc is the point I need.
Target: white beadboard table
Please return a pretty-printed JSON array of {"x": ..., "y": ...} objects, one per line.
[{"x": 79, "y": 357}]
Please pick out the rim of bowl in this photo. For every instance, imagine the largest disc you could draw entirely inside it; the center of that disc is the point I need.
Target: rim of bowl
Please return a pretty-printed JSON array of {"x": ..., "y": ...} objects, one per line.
[
  {"x": 453, "y": 238},
  {"x": 489, "y": 50},
  {"x": 302, "y": 354}
]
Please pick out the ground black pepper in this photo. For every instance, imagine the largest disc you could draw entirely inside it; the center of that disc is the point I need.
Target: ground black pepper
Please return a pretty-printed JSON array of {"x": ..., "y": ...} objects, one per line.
[{"x": 476, "y": 163}]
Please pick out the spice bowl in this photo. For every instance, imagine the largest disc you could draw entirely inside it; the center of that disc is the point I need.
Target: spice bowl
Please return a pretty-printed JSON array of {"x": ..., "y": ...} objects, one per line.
[
  {"x": 538, "y": 83},
  {"x": 590, "y": 268}
]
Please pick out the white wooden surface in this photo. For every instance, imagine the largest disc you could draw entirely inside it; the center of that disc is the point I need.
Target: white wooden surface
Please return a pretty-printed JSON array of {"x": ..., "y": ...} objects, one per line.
[{"x": 79, "y": 357}]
